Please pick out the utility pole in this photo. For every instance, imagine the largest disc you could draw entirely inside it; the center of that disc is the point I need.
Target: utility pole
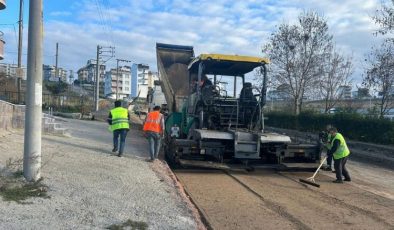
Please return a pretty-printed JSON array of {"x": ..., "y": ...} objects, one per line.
[
  {"x": 117, "y": 78},
  {"x": 33, "y": 115},
  {"x": 56, "y": 61},
  {"x": 100, "y": 51},
  {"x": 117, "y": 75},
  {"x": 19, "y": 71},
  {"x": 97, "y": 78}
]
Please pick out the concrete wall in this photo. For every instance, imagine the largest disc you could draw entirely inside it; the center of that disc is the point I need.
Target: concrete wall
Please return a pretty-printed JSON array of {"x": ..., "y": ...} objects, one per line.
[{"x": 11, "y": 116}]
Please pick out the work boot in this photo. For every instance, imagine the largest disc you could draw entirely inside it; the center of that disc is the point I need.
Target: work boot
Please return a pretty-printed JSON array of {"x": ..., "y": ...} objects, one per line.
[
  {"x": 327, "y": 168},
  {"x": 114, "y": 150},
  {"x": 338, "y": 181},
  {"x": 348, "y": 179}
]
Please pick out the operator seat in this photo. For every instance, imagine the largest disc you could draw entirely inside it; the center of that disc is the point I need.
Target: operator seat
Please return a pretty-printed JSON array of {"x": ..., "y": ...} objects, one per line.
[
  {"x": 246, "y": 94},
  {"x": 248, "y": 104}
]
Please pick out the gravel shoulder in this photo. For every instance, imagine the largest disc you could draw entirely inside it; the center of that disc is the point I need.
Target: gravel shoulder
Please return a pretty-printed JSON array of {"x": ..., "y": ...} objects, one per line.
[{"x": 91, "y": 189}]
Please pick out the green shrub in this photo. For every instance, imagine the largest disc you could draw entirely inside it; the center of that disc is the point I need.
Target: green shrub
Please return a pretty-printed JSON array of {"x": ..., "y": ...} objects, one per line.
[{"x": 352, "y": 126}]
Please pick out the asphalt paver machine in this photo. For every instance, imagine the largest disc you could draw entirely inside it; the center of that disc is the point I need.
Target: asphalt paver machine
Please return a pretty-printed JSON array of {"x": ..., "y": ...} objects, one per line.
[{"x": 220, "y": 116}]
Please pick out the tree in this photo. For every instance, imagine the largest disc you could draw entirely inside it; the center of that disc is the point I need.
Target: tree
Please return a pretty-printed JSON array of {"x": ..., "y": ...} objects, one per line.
[
  {"x": 380, "y": 74},
  {"x": 56, "y": 87},
  {"x": 380, "y": 69},
  {"x": 363, "y": 93},
  {"x": 336, "y": 70},
  {"x": 296, "y": 52},
  {"x": 384, "y": 17}
]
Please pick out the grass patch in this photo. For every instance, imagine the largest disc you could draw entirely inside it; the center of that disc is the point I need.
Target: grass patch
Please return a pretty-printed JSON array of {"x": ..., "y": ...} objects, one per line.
[
  {"x": 15, "y": 190},
  {"x": 18, "y": 173},
  {"x": 129, "y": 224}
]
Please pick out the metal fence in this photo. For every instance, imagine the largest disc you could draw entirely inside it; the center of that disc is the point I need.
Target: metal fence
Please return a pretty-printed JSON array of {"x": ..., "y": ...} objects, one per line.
[{"x": 64, "y": 103}]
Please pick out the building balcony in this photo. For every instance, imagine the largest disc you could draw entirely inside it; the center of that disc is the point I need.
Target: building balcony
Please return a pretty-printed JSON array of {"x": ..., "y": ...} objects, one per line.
[{"x": 119, "y": 84}]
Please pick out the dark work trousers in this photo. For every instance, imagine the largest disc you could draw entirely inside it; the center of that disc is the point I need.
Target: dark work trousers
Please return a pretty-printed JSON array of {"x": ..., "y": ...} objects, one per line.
[
  {"x": 329, "y": 160},
  {"x": 122, "y": 133},
  {"x": 340, "y": 168}
]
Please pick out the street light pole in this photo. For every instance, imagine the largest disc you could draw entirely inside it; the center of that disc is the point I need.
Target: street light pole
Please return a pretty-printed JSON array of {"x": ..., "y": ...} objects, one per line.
[{"x": 33, "y": 114}]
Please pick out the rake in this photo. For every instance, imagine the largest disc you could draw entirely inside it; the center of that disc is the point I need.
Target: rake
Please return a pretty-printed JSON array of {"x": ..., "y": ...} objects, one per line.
[{"x": 311, "y": 180}]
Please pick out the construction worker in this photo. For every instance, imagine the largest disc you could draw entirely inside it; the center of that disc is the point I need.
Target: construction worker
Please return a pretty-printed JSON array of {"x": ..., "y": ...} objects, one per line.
[
  {"x": 327, "y": 145},
  {"x": 340, "y": 153},
  {"x": 118, "y": 119},
  {"x": 154, "y": 130}
]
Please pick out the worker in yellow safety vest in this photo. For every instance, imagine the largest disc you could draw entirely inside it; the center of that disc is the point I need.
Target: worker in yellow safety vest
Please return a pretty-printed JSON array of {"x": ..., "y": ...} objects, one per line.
[
  {"x": 154, "y": 129},
  {"x": 340, "y": 153},
  {"x": 118, "y": 119}
]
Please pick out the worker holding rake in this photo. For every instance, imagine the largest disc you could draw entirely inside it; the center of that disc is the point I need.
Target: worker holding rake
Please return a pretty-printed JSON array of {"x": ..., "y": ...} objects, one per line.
[{"x": 340, "y": 153}]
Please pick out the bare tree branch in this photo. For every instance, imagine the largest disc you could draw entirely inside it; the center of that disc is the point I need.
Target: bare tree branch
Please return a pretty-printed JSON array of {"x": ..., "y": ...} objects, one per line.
[{"x": 296, "y": 51}]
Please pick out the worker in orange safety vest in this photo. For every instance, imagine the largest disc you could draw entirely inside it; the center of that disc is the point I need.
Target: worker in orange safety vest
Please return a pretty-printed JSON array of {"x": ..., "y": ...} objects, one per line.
[{"x": 154, "y": 129}]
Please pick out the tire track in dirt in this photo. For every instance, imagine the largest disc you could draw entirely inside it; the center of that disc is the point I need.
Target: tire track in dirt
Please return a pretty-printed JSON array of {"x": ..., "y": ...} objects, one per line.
[
  {"x": 280, "y": 210},
  {"x": 330, "y": 201},
  {"x": 229, "y": 205},
  {"x": 269, "y": 199}
]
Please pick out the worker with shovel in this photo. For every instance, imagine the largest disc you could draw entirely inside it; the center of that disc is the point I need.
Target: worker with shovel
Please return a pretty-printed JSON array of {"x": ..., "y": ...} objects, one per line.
[{"x": 340, "y": 153}]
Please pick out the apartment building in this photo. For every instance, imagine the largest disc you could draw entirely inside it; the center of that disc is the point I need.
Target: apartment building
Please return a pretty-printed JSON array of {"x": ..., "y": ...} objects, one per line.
[
  {"x": 11, "y": 71},
  {"x": 141, "y": 80},
  {"x": 88, "y": 72},
  {"x": 49, "y": 73},
  {"x": 122, "y": 81},
  {"x": 345, "y": 91}
]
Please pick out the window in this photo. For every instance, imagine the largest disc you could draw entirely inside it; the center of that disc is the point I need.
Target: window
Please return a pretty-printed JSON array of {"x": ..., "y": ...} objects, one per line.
[{"x": 126, "y": 88}]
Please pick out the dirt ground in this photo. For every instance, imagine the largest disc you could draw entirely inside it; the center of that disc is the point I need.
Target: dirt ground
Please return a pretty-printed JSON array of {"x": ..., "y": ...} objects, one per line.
[
  {"x": 267, "y": 199},
  {"x": 90, "y": 188}
]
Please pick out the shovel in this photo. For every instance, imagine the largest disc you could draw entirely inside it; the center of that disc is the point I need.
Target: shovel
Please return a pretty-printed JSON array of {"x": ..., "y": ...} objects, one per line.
[{"x": 311, "y": 180}]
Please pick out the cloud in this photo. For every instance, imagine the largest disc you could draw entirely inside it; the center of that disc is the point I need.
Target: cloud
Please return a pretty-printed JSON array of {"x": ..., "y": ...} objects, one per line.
[
  {"x": 60, "y": 13},
  {"x": 221, "y": 26}
]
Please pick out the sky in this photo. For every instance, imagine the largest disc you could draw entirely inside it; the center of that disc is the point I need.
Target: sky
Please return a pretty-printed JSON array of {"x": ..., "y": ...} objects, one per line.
[{"x": 211, "y": 26}]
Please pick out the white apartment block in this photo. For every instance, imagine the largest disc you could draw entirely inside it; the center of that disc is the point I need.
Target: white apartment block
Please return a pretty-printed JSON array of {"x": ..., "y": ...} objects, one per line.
[
  {"x": 142, "y": 80},
  {"x": 123, "y": 81},
  {"x": 345, "y": 91},
  {"x": 49, "y": 73},
  {"x": 11, "y": 70},
  {"x": 88, "y": 72}
]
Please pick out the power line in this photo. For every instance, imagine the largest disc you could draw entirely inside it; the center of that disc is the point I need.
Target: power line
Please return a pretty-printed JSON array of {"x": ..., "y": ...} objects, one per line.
[
  {"x": 108, "y": 20},
  {"x": 100, "y": 14},
  {"x": 8, "y": 24},
  {"x": 103, "y": 19},
  {"x": 15, "y": 52}
]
